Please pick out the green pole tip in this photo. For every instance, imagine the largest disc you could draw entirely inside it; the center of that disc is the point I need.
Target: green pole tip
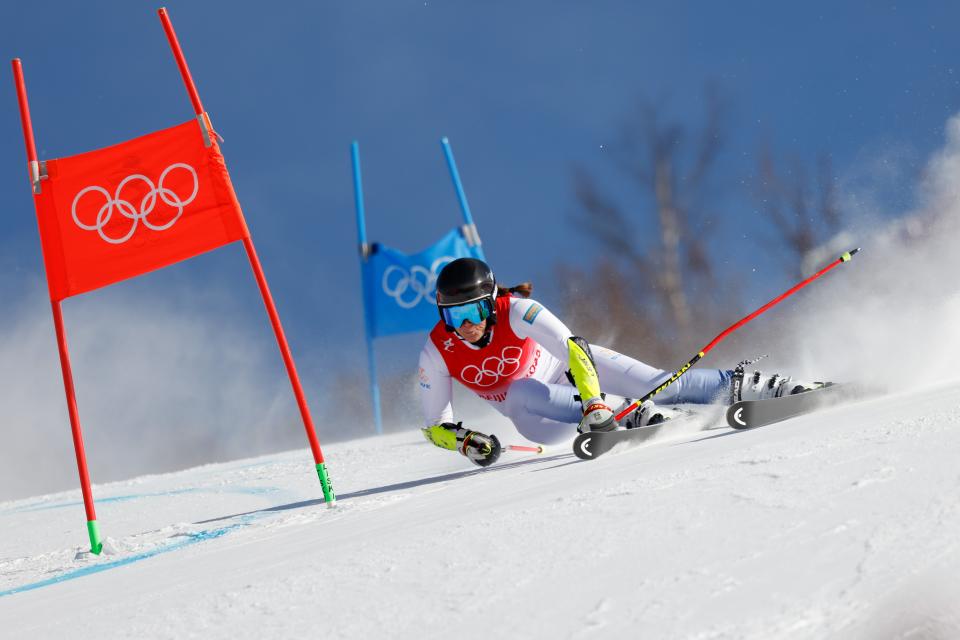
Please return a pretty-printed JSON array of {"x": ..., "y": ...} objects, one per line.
[
  {"x": 328, "y": 495},
  {"x": 93, "y": 529}
]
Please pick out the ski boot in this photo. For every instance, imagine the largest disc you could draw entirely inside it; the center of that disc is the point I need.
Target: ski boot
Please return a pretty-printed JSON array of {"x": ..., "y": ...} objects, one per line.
[
  {"x": 760, "y": 386},
  {"x": 647, "y": 415},
  {"x": 597, "y": 416}
]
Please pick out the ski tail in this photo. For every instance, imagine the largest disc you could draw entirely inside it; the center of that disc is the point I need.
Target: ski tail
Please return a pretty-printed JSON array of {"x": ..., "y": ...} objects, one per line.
[{"x": 749, "y": 414}]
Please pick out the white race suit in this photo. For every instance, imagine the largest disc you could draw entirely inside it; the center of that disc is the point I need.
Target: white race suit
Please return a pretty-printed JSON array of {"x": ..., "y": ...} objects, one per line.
[{"x": 542, "y": 406}]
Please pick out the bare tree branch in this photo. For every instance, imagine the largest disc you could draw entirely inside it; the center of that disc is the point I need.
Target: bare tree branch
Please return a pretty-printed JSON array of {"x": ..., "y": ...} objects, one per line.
[
  {"x": 804, "y": 215},
  {"x": 668, "y": 165}
]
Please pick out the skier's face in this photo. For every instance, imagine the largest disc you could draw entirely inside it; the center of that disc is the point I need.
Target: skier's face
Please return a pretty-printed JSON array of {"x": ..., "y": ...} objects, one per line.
[{"x": 472, "y": 332}]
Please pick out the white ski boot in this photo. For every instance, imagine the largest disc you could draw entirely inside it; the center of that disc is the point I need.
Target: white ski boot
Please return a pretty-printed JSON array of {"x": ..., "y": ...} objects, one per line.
[
  {"x": 597, "y": 416},
  {"x": 760, "y": 386},
  {"x": 648, "y": 414}
]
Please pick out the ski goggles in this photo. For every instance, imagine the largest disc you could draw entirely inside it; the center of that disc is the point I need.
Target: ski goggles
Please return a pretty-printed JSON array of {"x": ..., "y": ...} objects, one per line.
[{"x": 476, "y": 312}]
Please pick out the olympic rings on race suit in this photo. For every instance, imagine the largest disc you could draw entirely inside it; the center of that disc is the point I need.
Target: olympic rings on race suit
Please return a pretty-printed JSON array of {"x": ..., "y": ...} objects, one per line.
[{"x": 493, "y": 368}]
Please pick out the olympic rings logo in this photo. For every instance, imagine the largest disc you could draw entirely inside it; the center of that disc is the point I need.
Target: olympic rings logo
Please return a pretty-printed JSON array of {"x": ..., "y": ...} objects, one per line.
[
  {"x": 147, "y": 204},
  {"x": 411, "y": 288},
  {"x": 493, "y": 368}
]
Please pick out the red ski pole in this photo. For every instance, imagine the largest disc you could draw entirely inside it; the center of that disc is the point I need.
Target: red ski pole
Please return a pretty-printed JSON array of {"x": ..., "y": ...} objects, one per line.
[
  {"x": 723, "y": 334},
  {"x": 520, "y": 447}
]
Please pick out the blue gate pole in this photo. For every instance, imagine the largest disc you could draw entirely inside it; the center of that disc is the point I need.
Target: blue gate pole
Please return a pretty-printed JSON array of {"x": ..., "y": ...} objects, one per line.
[
  {"x": 367, "y": 306},
  {"x": 461, "y": 196}
]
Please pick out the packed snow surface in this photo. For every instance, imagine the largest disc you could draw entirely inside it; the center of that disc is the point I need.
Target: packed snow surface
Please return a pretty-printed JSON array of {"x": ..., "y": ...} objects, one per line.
[{"x": 839, "y": 524}]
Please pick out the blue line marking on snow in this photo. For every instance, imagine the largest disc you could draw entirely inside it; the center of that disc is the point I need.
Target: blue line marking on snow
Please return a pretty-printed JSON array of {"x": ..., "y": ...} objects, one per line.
[
  {"x": 191, "y": 538},
  {"x": 124, "y": 498}
]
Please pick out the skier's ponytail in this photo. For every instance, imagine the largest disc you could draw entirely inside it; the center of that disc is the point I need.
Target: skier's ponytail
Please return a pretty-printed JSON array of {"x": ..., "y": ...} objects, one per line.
[{"x": 524, "y": 289}]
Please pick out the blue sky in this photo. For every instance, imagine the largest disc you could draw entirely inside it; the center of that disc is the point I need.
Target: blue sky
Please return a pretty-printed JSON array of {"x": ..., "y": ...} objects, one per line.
[{"x": 525, "y": 91}]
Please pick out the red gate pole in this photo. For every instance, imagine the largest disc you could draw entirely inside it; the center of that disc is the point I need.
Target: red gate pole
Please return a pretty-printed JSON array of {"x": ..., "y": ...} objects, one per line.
[
  {"x": 33, "y": 165},
  {"x": 325, "y": 483}
]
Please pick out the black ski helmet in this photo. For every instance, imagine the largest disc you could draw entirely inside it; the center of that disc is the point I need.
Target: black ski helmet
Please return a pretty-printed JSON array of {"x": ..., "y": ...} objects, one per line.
[{"x": 466, "y": 280}]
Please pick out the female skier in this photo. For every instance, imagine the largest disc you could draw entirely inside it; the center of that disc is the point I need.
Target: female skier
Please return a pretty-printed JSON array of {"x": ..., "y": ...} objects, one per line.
[{"x": 522, "y": 359}]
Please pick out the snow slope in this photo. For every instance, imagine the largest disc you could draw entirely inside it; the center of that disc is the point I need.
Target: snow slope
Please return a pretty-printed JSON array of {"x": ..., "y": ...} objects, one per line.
[{"x": 842, "y": 524}]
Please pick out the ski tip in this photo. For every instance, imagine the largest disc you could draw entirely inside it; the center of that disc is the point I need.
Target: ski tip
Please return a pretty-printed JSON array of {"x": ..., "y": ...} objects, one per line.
[
  {"x": 581, "y": 446},
  {"x": 735, "y": 417}
]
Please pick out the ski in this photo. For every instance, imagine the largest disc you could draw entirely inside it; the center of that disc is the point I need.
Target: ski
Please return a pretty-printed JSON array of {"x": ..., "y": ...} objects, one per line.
[
  {"x": 749, "y": 414},
  {"x": 592, "y": 445}
]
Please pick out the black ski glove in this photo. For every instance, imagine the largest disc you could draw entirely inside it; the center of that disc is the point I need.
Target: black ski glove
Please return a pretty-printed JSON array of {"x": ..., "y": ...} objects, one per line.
[{"x": 481, "y": 449}]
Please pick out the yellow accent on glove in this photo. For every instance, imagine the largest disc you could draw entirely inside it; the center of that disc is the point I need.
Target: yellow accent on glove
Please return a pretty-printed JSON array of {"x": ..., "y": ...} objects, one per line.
[
  {"x": 441, "y": 436},
  {"x": 483, "y": 447}
]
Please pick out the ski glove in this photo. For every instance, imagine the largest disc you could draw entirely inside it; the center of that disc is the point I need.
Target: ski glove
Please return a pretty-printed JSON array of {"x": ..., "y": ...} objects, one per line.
[{"x": 481, "y": 449}]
